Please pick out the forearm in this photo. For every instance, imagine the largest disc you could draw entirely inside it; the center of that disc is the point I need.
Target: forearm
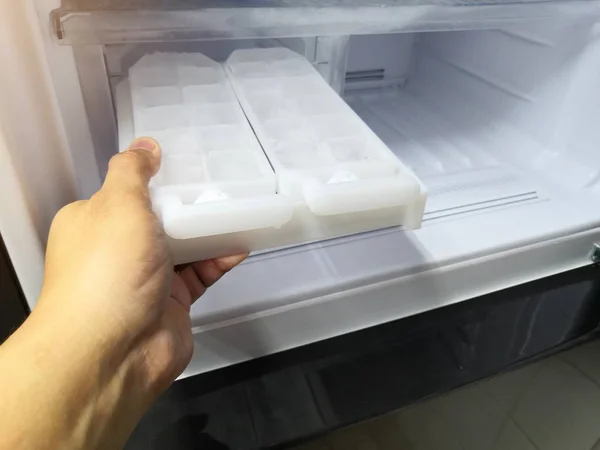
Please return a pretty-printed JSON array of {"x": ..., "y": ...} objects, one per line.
[{"x": 63, "y": 386}]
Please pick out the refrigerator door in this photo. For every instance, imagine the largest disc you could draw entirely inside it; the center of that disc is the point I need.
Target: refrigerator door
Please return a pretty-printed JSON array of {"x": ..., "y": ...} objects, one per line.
[{"x": 36, "y": 174}]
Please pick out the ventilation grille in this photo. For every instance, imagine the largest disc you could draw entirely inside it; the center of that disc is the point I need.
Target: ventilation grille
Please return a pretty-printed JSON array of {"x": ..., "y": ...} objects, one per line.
[{"x": 356, "y": 76}]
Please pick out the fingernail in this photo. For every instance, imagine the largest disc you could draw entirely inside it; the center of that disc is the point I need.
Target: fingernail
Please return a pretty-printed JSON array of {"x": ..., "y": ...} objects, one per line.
[{"x": 146, "y": 143}]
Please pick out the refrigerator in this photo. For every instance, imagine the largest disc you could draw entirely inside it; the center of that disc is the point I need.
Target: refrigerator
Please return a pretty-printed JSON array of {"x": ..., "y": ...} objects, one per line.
[{"x": 492, "y": 105}]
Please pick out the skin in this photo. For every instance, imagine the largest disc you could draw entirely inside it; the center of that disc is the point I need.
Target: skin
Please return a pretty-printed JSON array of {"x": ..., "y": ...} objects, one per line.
[{"x": 112, "y": 329}]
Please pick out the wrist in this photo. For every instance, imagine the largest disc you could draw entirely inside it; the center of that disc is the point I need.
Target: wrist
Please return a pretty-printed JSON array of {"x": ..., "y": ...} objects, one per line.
[{"x": 96, "y": 392}]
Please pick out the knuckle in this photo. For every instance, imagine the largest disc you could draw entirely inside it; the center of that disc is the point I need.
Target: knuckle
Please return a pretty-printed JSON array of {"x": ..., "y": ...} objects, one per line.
[
  {"x": 134, "y": 157},
  {"x": 69, "y": 210},
  {"x": 222, "y": 266},
  {"x": 137, "y": 163},
  {"x": 67, "y": 215}
]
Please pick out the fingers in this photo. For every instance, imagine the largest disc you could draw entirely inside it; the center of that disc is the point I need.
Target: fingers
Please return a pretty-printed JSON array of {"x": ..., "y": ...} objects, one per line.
[
  {"x": 199, "y": 276},
  {"x": 192, "y": 282},
  {"x": 132, "y": 170},
  {"x": 181, "y": 293}
]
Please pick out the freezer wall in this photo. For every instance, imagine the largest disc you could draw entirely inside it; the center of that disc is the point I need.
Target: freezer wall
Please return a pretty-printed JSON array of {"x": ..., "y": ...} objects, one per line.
[{"x": 531, "y": 93}]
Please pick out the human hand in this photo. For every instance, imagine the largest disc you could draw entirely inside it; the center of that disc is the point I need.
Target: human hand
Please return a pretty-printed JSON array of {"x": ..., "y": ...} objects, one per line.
[{"x": 110, "y": 287}]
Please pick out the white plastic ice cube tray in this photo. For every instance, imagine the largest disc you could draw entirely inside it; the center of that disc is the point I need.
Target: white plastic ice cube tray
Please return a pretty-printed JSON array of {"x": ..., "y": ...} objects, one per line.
[
  {"x": 322, "y": 152},
  {"x": 214, "y": 177},
  {"x": 216, "y": 192}
]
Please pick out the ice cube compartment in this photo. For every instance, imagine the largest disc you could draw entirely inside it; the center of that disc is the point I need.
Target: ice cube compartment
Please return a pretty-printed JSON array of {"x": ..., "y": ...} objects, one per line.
[
  {"x": 214, "y": 176},
  {"x": 186, "y": 102},
  {"x": 322, "y": 152}
]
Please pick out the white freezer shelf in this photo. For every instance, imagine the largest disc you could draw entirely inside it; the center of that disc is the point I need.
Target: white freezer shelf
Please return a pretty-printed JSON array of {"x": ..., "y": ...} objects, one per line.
[
  {"x": 488, "y": 226},
  {"x": 286, "y": 299},
  {"x": 460, "y": 173},
  {"x": 478, "y": 206}
]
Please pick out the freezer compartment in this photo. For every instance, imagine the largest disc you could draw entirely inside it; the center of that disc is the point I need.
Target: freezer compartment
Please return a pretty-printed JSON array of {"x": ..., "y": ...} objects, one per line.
[
  {"x": 490, "y": 117},
  {"x": 499, "y": 125},
  {"x": 216, "y": 192},
  {"x": 487, "y": 119}
]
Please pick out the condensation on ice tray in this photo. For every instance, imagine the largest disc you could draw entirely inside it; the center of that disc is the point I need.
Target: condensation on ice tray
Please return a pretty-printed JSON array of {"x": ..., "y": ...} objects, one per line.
[{"x": 322, "y": 152}]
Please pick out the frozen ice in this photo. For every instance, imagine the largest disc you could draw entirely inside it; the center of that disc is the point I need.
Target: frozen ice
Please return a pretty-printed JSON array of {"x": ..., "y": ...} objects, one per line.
[
  {"x": 158, "y": 96},
  {"x": 311, "y": 105},
  {"x": 279, "y": 130},
  {"x": 302, "y": 154},
  {"x": 290, "y": 68},
  {"x": 253, "y": 70},
  {"x": 275, "y": 109},
  {"x": 162, "y": 118},
  {"x": 350, "y": 149},
  {"x": 220, "y": 114},
  {"x": 307, "y": 85},
  {"x": 183, "y": 169},
  {"x": 232, "y": 165},
  {"x": 334, "y": 126},
  {"x": 225, "y": 137},
  {"x": 177, "y": 141},
  {"x": 186, "y": 103},
  {"x": 261, "y": 55},
  {"x": 211, "y": 195},
  {"x": 151, "y": 76},
  {"x": 190, "y": 76},
  {"x": 258, "y": 85},
  {"x": 343, "y": 176},
  {"x": 207, "y": 94}
]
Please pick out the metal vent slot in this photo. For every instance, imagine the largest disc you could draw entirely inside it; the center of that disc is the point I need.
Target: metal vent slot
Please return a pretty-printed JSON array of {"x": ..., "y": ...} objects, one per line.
[{"x": 365, "y": 75}]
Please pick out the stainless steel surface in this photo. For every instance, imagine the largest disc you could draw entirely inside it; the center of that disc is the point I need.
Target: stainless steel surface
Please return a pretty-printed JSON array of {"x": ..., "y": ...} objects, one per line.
[
  {"x": 95, "y": 87},
  {"x": 596, "y": 253},
  {"x": 145, "y": 21}
]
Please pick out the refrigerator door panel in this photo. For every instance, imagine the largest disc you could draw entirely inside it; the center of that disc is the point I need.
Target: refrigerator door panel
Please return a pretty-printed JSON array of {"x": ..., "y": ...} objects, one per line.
[{"x": 36, "y": 174}]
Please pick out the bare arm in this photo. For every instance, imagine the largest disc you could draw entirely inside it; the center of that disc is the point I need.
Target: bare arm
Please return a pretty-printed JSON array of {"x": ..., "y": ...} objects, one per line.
[{"x": 112, "y": 328}]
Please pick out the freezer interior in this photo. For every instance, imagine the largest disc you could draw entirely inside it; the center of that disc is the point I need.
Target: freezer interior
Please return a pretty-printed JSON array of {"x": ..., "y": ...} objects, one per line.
[
  {"x": 500, "y": 124},
  {"x": 485, "y": 118}
]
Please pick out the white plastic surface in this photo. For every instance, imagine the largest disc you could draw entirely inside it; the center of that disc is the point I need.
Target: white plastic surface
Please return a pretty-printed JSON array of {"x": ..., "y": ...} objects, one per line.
[
  {"x": 214, "y": 177},
  {"x": 323, "y": 153},
  {"x": 216, "y": 192}
]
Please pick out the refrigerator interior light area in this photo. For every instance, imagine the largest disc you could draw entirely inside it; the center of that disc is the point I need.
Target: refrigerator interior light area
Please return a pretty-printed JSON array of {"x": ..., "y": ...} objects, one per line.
[{"x": 493, "y": 106}]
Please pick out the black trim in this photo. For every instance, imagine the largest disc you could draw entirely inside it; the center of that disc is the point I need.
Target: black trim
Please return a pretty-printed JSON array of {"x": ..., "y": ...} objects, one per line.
[
  {"x": 287, "y": 398},
  {"x": 13, "y": 306},
  {"x": 390, "y": 332}
]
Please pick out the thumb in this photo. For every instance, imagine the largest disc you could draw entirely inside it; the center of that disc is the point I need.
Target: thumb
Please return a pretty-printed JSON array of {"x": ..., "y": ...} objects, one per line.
[{"x": 132, "y": 170}]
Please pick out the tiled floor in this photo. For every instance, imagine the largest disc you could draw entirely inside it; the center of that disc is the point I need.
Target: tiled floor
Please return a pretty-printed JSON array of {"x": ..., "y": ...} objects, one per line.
[{"x": 553, "y": 404}]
